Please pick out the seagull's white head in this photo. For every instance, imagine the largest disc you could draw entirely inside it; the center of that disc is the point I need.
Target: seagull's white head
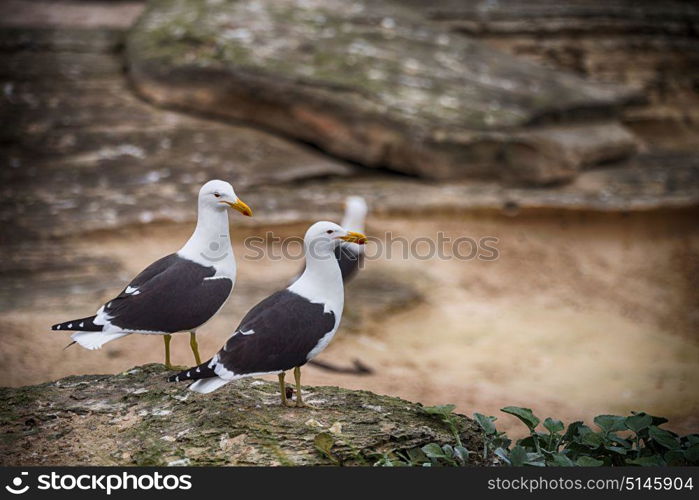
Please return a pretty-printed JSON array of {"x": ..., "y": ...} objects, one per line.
[
  {"x": 219, "y": 195},
  {"x": 322, "y": 237}
]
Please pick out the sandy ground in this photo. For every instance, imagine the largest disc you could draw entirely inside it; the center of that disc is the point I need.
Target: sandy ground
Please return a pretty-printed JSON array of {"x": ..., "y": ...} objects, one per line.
[{"x": 581, "y": 314}]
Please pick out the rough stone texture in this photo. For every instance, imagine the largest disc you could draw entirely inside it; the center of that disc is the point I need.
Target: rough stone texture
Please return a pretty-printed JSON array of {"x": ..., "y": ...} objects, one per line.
[
  {"x": 81, "y": 152},
  {"x": 137, "y": 418},
  {"x": 368, "y": 81},
  {"x": 647, "y": 44},
  {"x": 568, "y": 147},
  {"x": 70, "y": 13},
  {"x": 54, "y": 271},
  {"x": 648, "y": 182}
]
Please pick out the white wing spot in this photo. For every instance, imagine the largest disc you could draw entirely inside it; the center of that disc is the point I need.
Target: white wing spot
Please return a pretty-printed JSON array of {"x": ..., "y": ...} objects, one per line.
[
  {"x": 247, "y": 332},
  {"x": 198, "y": 369},
  {"x": 70, "y": 325},
  {"x": 58, "y": 327},
  {"x": 131, "y": 289},
  {"x": 81, "y": 324}
]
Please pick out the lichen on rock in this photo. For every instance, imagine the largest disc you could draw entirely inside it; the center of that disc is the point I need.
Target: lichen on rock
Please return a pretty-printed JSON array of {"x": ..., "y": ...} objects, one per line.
[
  {"x": 368, "y": 81},
  {"x": 137, "y": 418}
]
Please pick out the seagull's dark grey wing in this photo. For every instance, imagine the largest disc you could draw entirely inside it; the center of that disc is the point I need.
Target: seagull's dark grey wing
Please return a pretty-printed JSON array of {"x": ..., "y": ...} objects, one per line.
[
  {"x": 350, "y": 260},
  {"x": 171, "y": 295},
  {"x": 277, "y": 334},
  {"x": 153, "y": 270}
]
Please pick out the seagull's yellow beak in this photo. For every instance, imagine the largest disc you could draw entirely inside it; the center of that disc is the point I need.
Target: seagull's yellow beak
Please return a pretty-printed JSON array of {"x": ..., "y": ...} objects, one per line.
[
  {"x": 353, "y": 237},
  {"x": 240, "y": 207}
]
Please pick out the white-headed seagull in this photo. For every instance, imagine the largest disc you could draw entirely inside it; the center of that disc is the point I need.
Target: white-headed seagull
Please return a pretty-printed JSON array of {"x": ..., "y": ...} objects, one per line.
[
  {"x": 178, "y": 293},
  {"x": 350, "y": 256},
  {"x": 288, "y": 328}
]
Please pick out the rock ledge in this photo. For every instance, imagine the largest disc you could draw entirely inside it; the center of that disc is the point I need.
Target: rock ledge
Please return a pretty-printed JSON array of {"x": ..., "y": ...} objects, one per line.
[{"x": 137, "y": 418}]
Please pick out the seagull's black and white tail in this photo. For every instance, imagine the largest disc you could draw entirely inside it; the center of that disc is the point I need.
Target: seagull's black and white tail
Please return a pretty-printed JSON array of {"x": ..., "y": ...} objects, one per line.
[
  {"x": 89, "y": 334},
  {"x": 204, "y": 376},
  {"x": 81, "y": 325}
]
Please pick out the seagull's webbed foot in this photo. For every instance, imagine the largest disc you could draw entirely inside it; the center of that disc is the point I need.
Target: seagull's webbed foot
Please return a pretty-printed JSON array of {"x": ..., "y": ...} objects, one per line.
[{"x": 303, "y": 404}]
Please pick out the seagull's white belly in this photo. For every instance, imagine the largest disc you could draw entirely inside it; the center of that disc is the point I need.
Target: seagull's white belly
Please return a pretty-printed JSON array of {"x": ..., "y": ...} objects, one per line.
[{"x": 322, "y": 344}]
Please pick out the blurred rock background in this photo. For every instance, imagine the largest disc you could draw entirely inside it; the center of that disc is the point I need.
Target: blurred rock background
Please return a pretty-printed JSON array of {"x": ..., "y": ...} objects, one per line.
[{"x": 567, "y": 130}]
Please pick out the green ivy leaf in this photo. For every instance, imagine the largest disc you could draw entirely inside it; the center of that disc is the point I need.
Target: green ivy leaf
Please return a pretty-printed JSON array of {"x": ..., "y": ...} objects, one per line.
[
  {"x": 502, "y": 454},
  {"x": 654, "y": 419},
  {"x": 657, "y": 421},
  {"x": 518, "y": 456},
  {"x": 651, "y": 461},
  {"x": 530, "y": 441},
  {"x": 440, "y": 410},
  {"x": 535, "y": 459},
  {"x": 416, "y": 456},
  {"x": 501, "y": 441},
  {"x": 573, "y": 432},
  {"x": 433, "y": 450},
  {"x": 692, "y": 454},
  {"x": 559, "y": 459},
  {"x": 638, "y": 422},
  {"x": 610, "y": 423},
  {"x": 588, "y": 437},
  {"x": 620, "y": 441},
  {"x": 524, "y": 414},
  {"x": 664, "y": 438},
  {"x": 553, "y": 425},
  {"x": 616, "y": 449},
  {"x": 592, "y": 439},
  {"x": 586, "y": 461},
  {"x": 675, "y": 457},
  {"x": 486, "y": 423},
  {"x": 461, "y": 454}
]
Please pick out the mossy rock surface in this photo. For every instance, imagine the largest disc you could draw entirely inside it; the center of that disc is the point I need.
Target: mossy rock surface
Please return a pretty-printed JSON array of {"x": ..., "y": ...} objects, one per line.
[
  {"x": 369, "y": 81},
  {"x": 137, "y": 418}
]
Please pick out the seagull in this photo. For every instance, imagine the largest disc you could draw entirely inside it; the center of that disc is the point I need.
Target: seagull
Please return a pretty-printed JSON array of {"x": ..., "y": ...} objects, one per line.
[
  {"x": 288, "y": 328},
  {"x": 177, "y": 293},
  {"x": 350, "y": 255}
]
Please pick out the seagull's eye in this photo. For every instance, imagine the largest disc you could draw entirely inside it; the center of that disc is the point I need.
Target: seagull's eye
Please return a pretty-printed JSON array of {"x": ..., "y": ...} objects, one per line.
[
  {"x": 217, "y": 195},
  {"x": 330, "y": 231}
]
